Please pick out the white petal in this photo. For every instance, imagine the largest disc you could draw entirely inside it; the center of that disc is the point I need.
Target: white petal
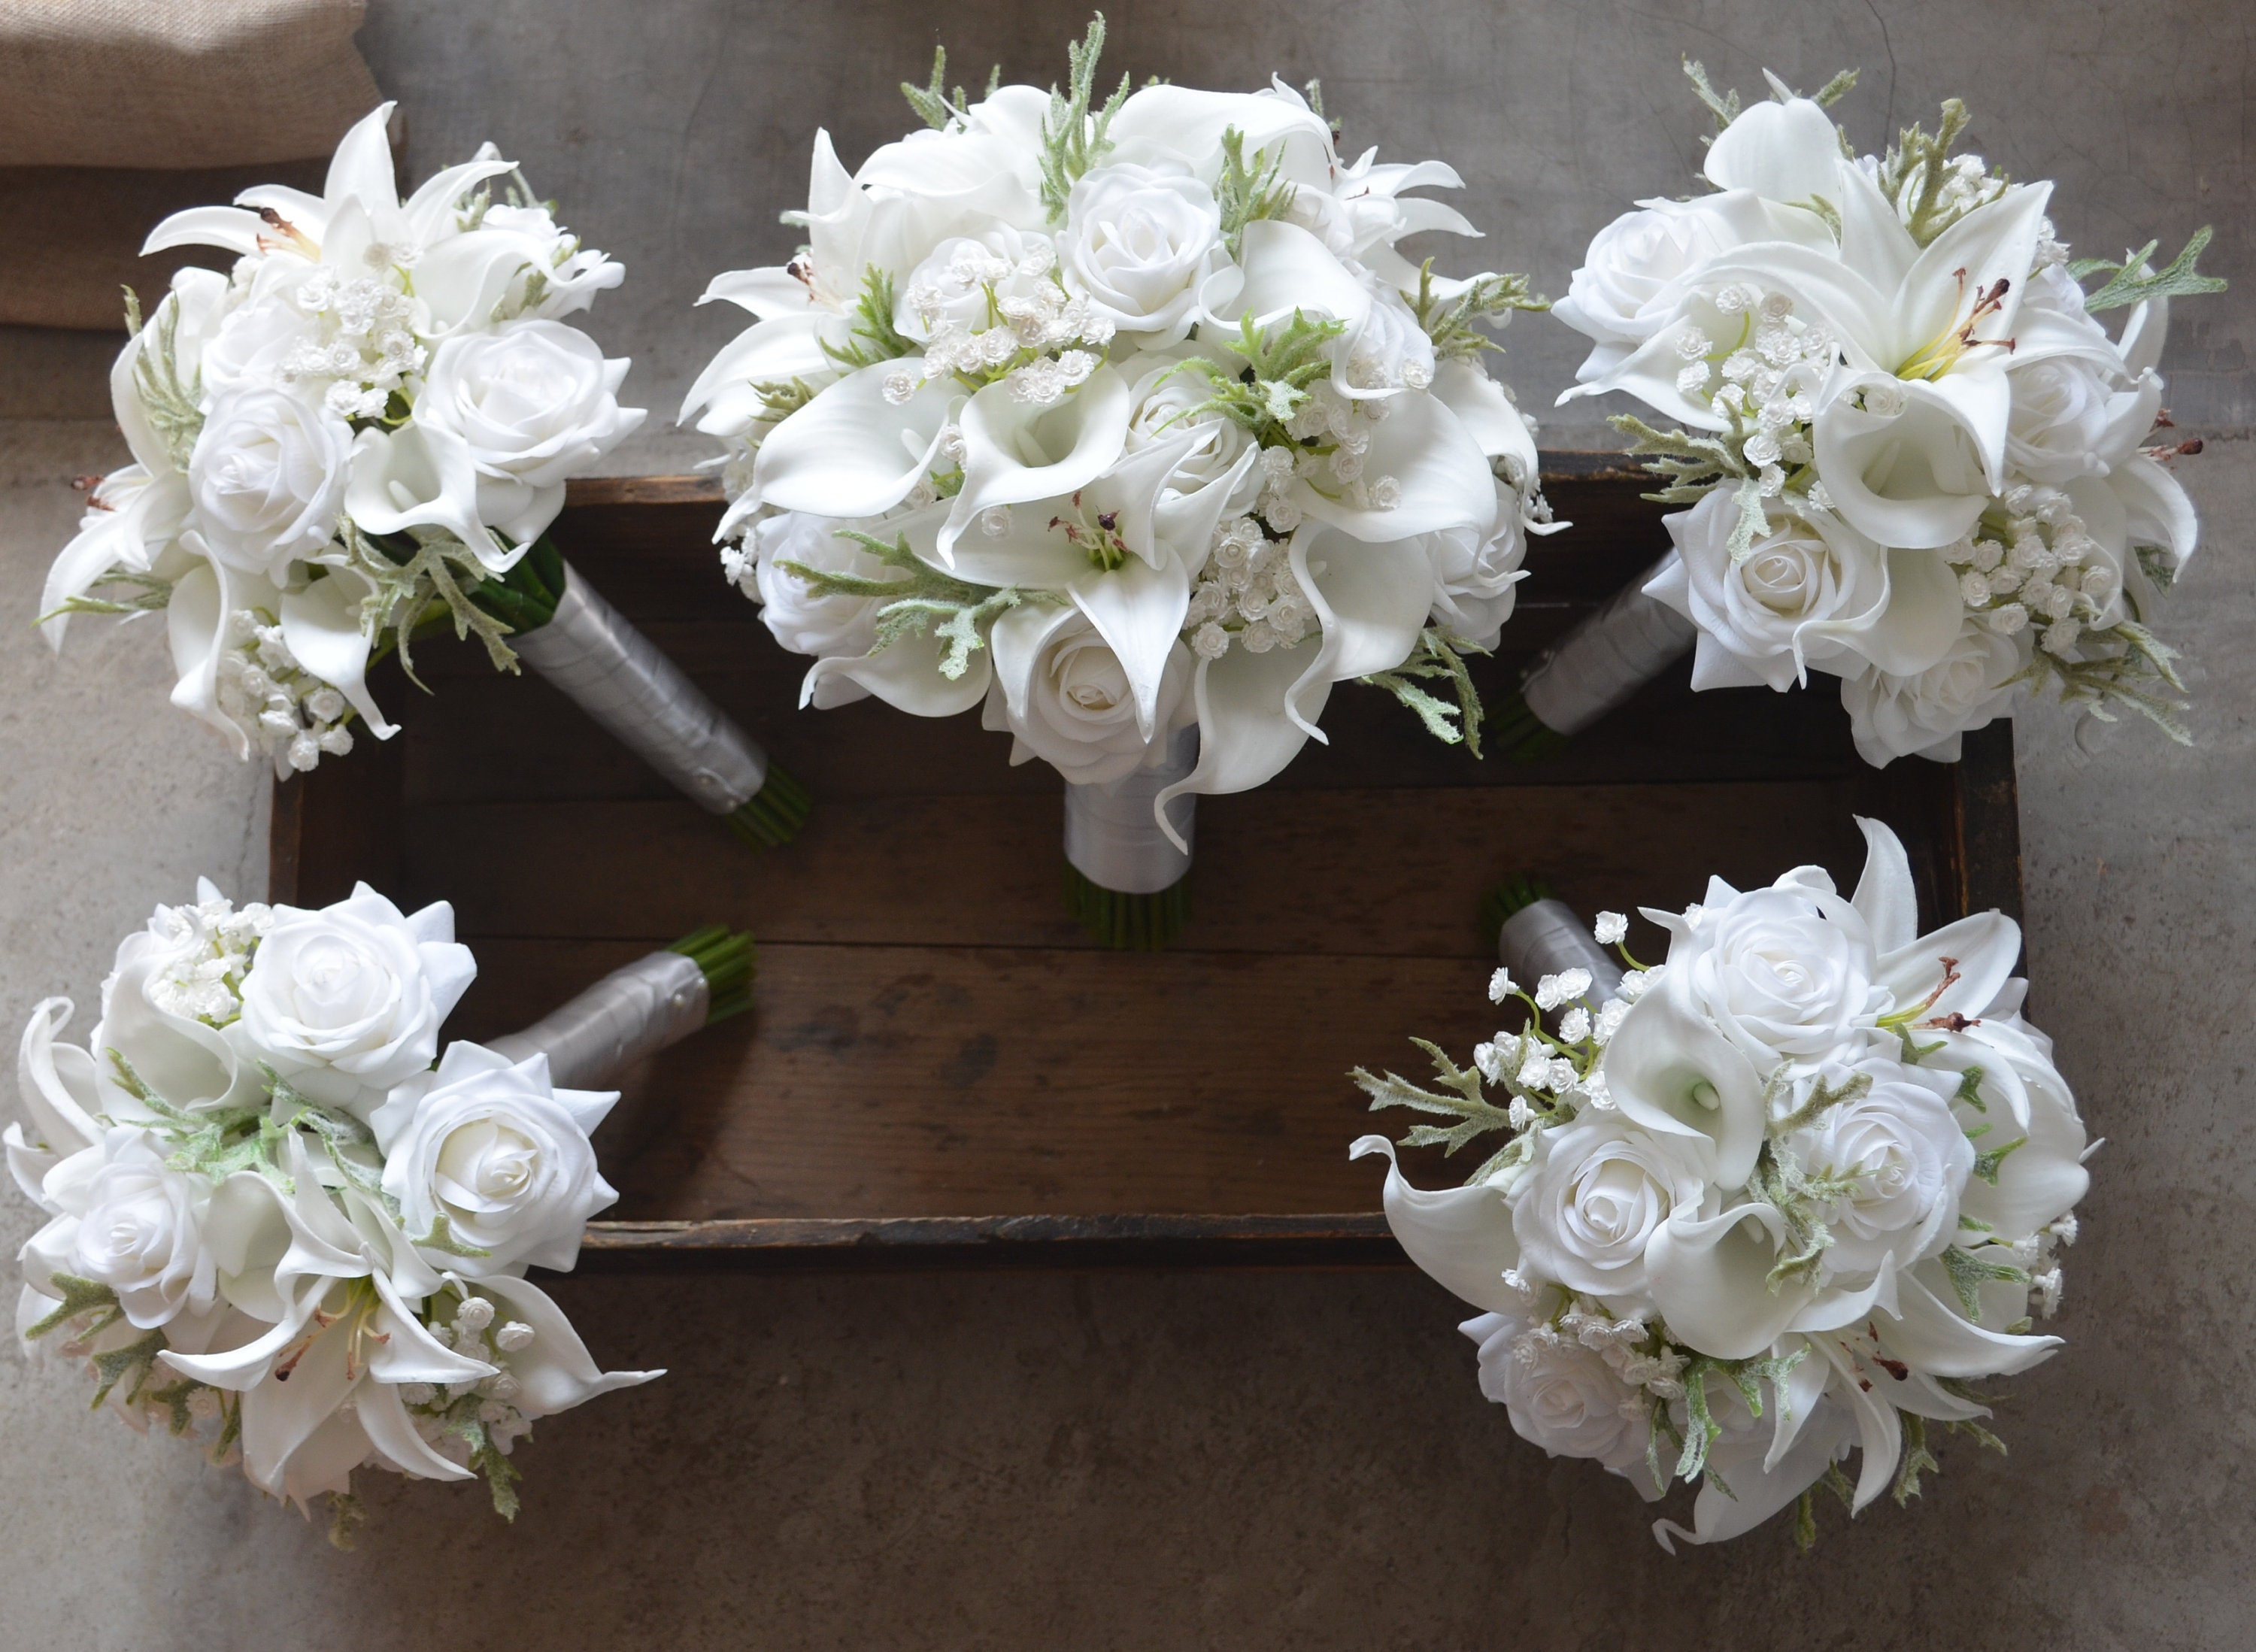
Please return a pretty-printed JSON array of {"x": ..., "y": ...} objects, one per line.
[
  {"x": 1887, "y": 899},
  {"x": 1459, "y": 1236},
  {"x": 850, "y": 452},
  {"x": 320, "y": 625},
  {"x": 1016, "y": 451}
]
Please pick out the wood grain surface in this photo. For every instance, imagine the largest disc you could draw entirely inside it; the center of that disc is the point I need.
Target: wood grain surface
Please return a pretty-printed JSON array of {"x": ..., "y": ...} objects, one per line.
[{"x": 940, "y": 1065}]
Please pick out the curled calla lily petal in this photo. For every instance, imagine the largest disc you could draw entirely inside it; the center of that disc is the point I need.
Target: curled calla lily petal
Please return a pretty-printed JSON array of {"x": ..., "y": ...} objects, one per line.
[
  {"x": 1246, "y": 736},
  {"x": 1371, "y": 600},
  {"x": 851, "y": 452},
  {"x": 322, "y": 625},
  {"x": 419, "y": 476},
  {"x": 1671, "y": 1071},
  {"x": 1759, "y": 1488},
  {"x": 1711, "y": 1281},
  {"x": 1015, "y": 451},
  {"x": 1940, "y": 1340},
  {"x": 1460, "y": 1237},
  {"x": 1442, "y": 478}
]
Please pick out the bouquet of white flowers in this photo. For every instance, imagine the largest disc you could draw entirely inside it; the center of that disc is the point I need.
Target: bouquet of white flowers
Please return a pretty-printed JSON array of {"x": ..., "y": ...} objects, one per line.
[
  {"x": 287, "y": 1226},
  {"x": 1914, "y": 459},
  {"x": 364, "y": 433},
  {"x": 1124, "y": 418},
  {"x": 1791, "y": 1191}
]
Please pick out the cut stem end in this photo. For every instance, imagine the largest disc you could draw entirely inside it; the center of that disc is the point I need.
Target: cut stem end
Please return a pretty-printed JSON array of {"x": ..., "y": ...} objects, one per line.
[
  {"x": 1515, "y": 894},
  {"x": 1125, "y": 922},
  {"x": 730, "y": 960},
  {"x": 772, "y": 816},
  {"x": 1524, "y": 736}
]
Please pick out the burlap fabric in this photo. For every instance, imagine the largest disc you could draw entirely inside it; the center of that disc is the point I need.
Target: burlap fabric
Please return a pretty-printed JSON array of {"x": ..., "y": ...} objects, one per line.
[
  {"x": 114, "y": 113},
  {"x": 178, "y": 84}
]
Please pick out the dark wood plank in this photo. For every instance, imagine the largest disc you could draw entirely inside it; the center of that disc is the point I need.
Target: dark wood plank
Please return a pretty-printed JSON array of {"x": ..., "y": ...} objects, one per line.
[
  {"x": 1367, "y": 873},
  {"x": 940, "y": 1068}
]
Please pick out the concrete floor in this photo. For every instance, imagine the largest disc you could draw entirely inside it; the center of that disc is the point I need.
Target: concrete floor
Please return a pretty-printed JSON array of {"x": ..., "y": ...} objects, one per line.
[{"x": 1133, "y": 1459}]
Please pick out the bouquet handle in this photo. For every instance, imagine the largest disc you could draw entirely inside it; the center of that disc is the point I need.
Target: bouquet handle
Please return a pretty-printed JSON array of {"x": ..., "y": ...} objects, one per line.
[
  {"x": 1548, "y": 937},
  {"x": 1629, "y": 642},
  {"x": 619, "y": 677},
  {"x": 637, "y": 1010},
  {"x": 1125, "y": 878}
]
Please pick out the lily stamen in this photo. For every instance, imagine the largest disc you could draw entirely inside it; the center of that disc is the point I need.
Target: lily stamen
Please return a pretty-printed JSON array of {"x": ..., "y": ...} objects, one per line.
[{"x": 1940, "y": 353}]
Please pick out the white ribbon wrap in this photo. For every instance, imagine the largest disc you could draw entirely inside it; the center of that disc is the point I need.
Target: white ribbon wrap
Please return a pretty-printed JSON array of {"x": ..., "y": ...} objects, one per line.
[
  {"x": 1548, "y": 938},
  {"x": 618, "y": 677},
  {"x": 1629, "y": 642},
  {"x": 628, "y": 1015},
  {"x": 1112, "y": 835}
]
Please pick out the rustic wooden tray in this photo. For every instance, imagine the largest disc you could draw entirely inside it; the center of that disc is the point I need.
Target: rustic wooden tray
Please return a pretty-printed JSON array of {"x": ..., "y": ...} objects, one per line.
[{"x": 941, "y": 1067}]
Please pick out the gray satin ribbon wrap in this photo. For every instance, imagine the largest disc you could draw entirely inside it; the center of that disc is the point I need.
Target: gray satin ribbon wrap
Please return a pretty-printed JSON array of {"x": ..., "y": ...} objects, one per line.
[
  {"x": 618, "y": 676},
  {"x": 1112, "y": 835},
  {"x": 628, "y": 1015},
  {"x": 1548, "y": 938},
  {"x": 1632, "y": 640}
]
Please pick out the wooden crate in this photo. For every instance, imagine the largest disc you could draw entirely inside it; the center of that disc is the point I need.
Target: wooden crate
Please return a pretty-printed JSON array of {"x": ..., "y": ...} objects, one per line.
[{"x": 941, "y": 1067}]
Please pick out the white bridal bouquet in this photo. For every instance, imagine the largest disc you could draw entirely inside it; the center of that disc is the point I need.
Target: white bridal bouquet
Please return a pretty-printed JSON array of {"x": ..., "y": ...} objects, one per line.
[
  {"x": 1125, "y": 420},
  {"x": 1792, "y": 1191},
  {"x": 364, "y": 433},
  {"x": 1912, "y": 457},
  {"x": 286, "y": 1226}
]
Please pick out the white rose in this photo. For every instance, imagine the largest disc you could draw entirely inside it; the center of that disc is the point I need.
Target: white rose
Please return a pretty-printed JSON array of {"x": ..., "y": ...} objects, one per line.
[
  {"x": 1598, "y": 1189},
  {"x": 267, "y": 478},
  {"x": 1477, "y": 573},
  {"x": 534, "y": 403},
  {"x": 2069, "y": 421},
  {"x": 1806, "y": 586},
  {"x": 138, "y": 1227},
  {"x": 1137, "y": 242},
  {"x": 798, "y": 618},
  {"x": 1633, "y": 275},
  {"x": 500, "y": 1153},
  {"x": 1065, "y": 695},
  {"x": 1784, "y": 973},
  {"x": 1163, "y": 404},
  {"x": 1923, "y": 713},
  {"x": 1561, "y": 1395},
  {"x": 1904, "y": 1161},
  {"x": 346, "y": 1002}
]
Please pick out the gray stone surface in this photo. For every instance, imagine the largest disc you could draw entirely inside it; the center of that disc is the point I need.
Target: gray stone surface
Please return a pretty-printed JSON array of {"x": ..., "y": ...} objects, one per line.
[{"x": 1140, "y": 1459}]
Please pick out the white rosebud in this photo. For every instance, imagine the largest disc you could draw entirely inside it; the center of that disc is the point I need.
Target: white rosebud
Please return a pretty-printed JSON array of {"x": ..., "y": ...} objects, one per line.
[
  {"x": 901, "y": 387},
  {"x": 304, "y": 752},
  {"x": 337, "y": 740},
  {"x": 1211, "y": 641},
  {"x": 1973, "y": 589},
  {"x": 326, "y": 704},
  {"x": 1574, "y": 1025},
  {"x": 513, "y": 1336},
  {"x": 1610, "y": 929},
  {"x": 1501, "y": 987},
  {"x": 2059, "y": 636},
  {"x": 1488, "y": 1063},
  {"x": 1534, "y": 1072},
  {"x": 1385, "y": 493},
  {"x": 1554, "y": 990},
  {"x": 2009, "y": 619},
  {"x": 475, "y": 1314}
]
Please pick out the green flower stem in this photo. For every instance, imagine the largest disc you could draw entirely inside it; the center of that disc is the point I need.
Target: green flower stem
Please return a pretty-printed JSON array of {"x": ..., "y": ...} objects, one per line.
[
  {"x": 1524, "y": 736},
  {"x": 1125, "y": 923},
  {"x": 772, "y": 816},
  {"x": 730, "y": 960}
]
